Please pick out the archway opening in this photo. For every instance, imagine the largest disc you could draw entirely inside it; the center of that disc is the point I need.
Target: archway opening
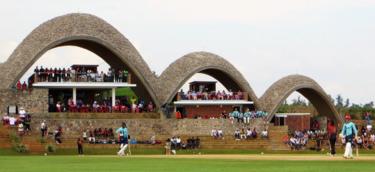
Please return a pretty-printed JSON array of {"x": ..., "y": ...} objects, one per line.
[
  {"x": 89, "y": 76},
  {"x": 306, "y": 113},
  {"x": 210, "y": 93}
]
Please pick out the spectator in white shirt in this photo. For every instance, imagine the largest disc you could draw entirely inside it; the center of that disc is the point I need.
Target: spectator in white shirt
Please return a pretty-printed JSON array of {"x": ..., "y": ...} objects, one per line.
[
  {"x": 12, "y": 121},
  {"x": 20, "y": 129},
  {"x": 264, "y": 134},
  {"x": 248, "y": 133}
]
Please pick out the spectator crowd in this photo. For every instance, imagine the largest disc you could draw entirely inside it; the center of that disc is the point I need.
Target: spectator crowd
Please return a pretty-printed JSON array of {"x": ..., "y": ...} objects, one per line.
[
  {"x": 129, "y": 105},
  {"x": 21, "y": 121},
  {"x": 211, "y": 95},
  {"x": 79, "y": 74}
]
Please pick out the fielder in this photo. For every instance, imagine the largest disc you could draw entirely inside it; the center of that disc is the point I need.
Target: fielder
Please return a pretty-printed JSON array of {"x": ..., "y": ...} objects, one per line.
[
  {"x": 123, "y": 139},
  {"x": 349, "y": 132}
]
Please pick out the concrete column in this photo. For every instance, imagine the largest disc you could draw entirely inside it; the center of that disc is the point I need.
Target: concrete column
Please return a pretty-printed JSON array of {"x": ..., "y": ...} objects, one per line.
[
  {"x": 113, "y": 96},
  {"x": 75, "y": 96}
]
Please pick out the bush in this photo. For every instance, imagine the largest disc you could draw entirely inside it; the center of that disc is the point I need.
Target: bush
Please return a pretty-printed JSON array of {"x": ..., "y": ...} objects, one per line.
[
  {"x": 14, "y": 138},
  {"x": 21, "y": 148},
  {"x": 42, "y": 140},
  {"x": 50, "y": 148}
]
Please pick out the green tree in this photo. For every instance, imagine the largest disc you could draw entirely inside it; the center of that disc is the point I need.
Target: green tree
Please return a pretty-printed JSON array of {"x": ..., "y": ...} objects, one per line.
[
  {"x": 347, "y": 103},
  {"x": 339, "y": 101}
]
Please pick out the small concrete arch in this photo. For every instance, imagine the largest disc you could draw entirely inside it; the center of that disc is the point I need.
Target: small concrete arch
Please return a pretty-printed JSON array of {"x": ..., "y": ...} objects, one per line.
[
  {"x": 85, "y": 31},
  {"x": 202, "y": 62},
  {"x": 280, "y": 91}
]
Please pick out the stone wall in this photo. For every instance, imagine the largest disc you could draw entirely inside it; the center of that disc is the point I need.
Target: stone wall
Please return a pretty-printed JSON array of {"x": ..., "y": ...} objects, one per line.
[
  {"x": 35, "y": 101},
  {"x": 145, "y": 128}
]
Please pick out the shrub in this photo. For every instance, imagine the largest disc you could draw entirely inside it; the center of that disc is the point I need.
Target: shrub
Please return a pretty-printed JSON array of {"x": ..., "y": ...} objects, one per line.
[
  {"x": 20, "y": 148},
  {"x": 14, "y": 138},
  {"x": 42, "y": 140},
  {"x": 50, "y": 148}
]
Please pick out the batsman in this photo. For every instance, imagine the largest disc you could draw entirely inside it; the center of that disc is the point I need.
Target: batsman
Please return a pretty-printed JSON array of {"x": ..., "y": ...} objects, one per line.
[
  {"x": 349, "y": 132},
  {"x": 123, "y": 139}
]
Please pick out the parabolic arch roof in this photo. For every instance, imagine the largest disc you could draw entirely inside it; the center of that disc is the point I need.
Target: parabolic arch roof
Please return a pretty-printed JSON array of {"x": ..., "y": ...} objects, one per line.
[{"x": 96, "y": 35}]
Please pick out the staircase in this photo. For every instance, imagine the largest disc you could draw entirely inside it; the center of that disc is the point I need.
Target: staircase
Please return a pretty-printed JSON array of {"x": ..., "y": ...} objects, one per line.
[
  {"x": 276, "y": 134},
  {"x": 274, "y": 142},
  {"x": 4, "y": 137}
]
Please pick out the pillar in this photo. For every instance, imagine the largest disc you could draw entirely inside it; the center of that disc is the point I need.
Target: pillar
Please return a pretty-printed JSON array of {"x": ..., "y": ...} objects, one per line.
[
  {"x": 75, "y": 96},
  {"x": 129, "y": 78},
  {"x": 113, "y": 97}
]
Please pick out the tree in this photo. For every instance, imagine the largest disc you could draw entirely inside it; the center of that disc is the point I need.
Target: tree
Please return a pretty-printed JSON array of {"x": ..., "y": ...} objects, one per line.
[
  {"x": 347, "y": 103},
  {"x": 339, "y": 102}
]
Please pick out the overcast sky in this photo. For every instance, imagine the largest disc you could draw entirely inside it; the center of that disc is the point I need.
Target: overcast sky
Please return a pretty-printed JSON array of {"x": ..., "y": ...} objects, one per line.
[{"x": 332, "y": 41}]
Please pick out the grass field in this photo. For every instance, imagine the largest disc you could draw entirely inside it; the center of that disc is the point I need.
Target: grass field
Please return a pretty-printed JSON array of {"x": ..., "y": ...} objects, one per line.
[{"x": 175, "y": 163}]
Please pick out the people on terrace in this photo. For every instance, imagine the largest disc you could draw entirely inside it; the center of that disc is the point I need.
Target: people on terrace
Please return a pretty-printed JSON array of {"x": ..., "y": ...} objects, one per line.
[
  {"x": 79, "y": 74},
  {"x": 124, "y": 105},
  {"x": 210, "y": 95}
]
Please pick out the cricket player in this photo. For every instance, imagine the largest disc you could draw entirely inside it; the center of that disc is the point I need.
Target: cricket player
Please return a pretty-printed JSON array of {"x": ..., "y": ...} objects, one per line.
[
  {"x": 246, "y": 116},
  {"x": 349, "y": 132},
  {"x": 123, "y": 139}
]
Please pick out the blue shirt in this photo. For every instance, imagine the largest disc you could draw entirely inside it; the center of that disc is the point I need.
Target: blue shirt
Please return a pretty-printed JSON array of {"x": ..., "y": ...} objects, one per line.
[
  {"x": 348, "y": 129},
  {"x": 235, "y": 114},
  {"x": 247, "y": 114},
  {"x": 123, "y": 132},
  {"x": 240, "y": 115}
]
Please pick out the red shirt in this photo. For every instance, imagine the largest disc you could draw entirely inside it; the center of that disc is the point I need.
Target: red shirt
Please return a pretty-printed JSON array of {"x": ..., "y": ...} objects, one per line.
[{"x": 331, "y": 129}]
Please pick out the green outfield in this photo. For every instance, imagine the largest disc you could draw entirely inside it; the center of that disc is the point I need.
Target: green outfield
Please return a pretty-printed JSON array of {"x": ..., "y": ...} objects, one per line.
[{"x": 185, "y": 164}]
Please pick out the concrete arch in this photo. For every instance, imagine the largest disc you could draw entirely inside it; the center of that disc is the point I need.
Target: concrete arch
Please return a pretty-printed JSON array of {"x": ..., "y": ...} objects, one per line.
[
  {"x": 201, "y": 62},
  {"x": 280, "y": 90},
  {"x": 85, "y": 31}
]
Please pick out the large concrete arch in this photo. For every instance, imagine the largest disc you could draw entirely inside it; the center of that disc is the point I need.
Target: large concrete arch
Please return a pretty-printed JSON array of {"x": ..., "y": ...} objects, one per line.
[
  {"x": 201, "y": 62},
  {"x": 82, "y": 30},
  {"x": 280, "y": 90},
  {"x": 96, "y": 35}
]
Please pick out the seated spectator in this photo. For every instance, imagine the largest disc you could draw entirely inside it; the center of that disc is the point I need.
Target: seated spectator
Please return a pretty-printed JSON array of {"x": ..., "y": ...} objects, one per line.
[
  {"x": 150, "y": 107},
  {"x": 5, "y": 119},
  {"x": 178, "y": 142},
  {"x": 264, "y": 134},
  {"x": 254, "y": 133},
  {"x": 12, "y": 121},
  {"x": 95, "y": 106},
  {"x": 91, "y": 137},
  {"x": 359, "y": 142},
  {"x": 220, "y": 133},
  {"x": 372, "y": 138},
  {"x": 237, "y": 135},
  {"x": 84, "y": 135},
  {"x": 285, "y": 139},
  {"x": 153, "y": 139},
  {"x": 249, "y": 133},
  {"x": 294, "y": 144},
  {"x": 20, "y": 129},
  {"x": 214, "y": 133}
]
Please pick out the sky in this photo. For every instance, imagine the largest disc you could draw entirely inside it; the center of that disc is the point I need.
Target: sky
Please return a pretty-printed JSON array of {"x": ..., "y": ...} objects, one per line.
[{"x": 331, "y": 41}]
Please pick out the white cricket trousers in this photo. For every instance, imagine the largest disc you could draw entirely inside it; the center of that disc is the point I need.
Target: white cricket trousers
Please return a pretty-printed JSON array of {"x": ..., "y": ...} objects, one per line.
[
  {"x": 246, "y": 120},
  {"x": 348, "y": 150},
  {"x": 122, "y": 149}
]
